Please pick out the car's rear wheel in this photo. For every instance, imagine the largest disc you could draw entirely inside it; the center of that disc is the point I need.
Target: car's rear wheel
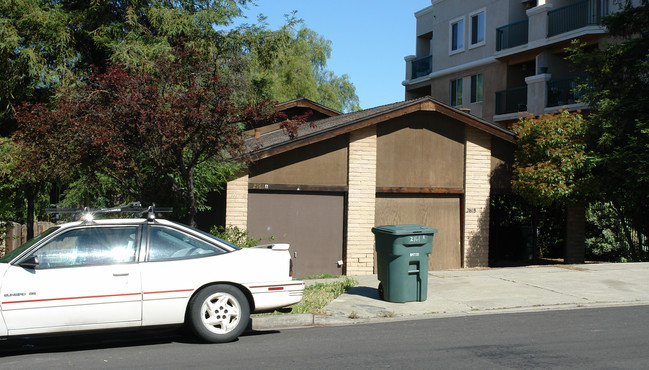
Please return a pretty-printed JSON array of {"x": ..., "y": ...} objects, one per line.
[{"x": 219, "y": 313}]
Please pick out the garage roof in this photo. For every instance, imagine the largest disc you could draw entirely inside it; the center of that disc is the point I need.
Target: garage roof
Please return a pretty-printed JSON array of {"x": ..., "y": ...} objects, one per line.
[{"x": 278, "y": 141}]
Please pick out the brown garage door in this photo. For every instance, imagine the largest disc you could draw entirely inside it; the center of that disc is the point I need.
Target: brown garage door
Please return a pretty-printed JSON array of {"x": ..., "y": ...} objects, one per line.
[
  {"x": 311, "y": 223},
  {"x": 439, "y": 212}
]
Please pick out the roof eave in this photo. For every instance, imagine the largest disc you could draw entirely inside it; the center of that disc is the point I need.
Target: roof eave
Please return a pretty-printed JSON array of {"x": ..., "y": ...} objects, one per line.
[{"x": 423, "y": 104}]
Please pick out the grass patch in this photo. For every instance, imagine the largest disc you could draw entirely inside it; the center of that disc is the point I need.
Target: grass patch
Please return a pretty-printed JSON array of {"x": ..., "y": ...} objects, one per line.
[
  {"x": 321, "y": 276},
  {"x": 317, "y": 296}
]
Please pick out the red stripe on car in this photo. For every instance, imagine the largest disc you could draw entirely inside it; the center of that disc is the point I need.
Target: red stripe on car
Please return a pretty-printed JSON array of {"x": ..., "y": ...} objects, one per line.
[
  {"x": 170, "y": 291},
  {"x": 70, "y": 298},
  {"x": 275, "y": 286}
]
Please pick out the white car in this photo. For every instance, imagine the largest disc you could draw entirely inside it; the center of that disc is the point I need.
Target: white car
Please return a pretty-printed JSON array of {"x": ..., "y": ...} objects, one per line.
[{"x": 99, "y": 274}]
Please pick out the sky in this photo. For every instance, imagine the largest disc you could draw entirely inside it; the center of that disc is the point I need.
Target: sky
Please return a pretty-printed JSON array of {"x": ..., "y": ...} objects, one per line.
[{"x": 369, "y": 39}]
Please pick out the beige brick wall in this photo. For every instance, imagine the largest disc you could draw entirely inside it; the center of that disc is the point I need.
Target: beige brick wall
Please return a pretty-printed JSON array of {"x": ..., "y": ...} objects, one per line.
[
  {"x": 361, "y": 201},
  {"x": 236, "y": 203},
  {"x": 476, "y": 198}
]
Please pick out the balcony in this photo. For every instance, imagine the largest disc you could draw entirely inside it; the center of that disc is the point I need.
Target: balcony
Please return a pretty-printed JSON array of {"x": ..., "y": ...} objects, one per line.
[
  {"x": 511, "y": 100},
  {"x": 574, "y": 16},
  {"x": 563, "y": 92},
  {"x": 511, "y": 35},
  {"x": 543, "y": 23},
  {"x": 422, "y": 66}
]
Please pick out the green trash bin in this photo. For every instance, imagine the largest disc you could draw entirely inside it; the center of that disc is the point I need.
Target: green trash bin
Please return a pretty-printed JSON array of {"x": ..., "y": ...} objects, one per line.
[{"x": 402, "y": 261}]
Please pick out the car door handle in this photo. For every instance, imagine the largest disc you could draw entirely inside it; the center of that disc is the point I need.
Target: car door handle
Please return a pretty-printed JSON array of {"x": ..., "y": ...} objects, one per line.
[{"x": 120, "y": 273}]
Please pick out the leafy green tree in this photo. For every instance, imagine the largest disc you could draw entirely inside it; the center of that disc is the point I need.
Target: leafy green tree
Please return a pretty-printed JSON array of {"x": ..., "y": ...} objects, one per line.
[
  {"x": 618, "y": 130},
  {"x": 550, "y": 164},
  {"x": 44, "y": 43},
  {"x": 291, "y": 63},
  {"x": 166, "y": 134},
  {"x": 49, "y": 48},
  {"x": 7, "y": 183},
  {"x": 550, "y": 161},
  {"x": 35, "y": 54},
  {"x": 23, "y": 175}
]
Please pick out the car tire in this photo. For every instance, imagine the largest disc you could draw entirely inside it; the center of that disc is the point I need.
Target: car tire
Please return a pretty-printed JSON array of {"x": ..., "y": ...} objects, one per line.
[{"x": 219, "y": 313}]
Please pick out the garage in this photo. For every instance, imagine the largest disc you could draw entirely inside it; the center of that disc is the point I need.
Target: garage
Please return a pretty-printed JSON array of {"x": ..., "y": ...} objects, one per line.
[
  {"x": 439, "y": 212},
  {"x": 312, "y": 223},
  {"x": 412, "y": 162}
]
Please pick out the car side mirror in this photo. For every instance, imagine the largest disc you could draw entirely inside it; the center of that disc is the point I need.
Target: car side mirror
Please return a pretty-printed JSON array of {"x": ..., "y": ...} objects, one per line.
[{"x": 30, "y": 262}]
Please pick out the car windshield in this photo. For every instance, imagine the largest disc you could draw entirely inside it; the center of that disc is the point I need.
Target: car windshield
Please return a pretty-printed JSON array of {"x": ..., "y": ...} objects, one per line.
[{"x": 11, "y": 255}]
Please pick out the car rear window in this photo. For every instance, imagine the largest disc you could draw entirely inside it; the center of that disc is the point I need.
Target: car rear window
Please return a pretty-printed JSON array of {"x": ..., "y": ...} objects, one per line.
[{"x": 169, "y": 244}]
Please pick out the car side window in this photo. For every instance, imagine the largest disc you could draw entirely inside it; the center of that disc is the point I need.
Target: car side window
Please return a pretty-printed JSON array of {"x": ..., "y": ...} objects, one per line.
[
  {"x": 168, "y": 244},
  {"x": 89, "y": 246}
]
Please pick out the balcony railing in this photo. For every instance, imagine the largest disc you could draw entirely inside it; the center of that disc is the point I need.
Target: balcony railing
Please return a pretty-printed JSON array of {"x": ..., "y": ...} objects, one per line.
[
  {"x": 563, "y": 92},
  {"x": 422, "y": 66},
  {"x": 574, "y": 16},
  {"x": 511, "y": 35},
  {"x": 511, "y": 100}
]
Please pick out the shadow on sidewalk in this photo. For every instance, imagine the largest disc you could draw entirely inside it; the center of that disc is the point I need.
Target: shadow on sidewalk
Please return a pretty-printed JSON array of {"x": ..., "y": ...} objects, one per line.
[{"x": 365, "y": 291}]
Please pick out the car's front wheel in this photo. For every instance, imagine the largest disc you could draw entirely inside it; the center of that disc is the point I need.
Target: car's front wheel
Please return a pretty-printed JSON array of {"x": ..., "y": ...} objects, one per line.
[{"x": 219, "y": 313}]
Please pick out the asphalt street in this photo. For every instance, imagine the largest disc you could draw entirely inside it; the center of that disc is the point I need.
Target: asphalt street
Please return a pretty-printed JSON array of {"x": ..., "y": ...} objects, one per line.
[{"x": 590, "y": 338}]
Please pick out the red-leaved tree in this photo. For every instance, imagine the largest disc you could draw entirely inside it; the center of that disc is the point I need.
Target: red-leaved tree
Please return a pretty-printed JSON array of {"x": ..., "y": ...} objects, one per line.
[{"x": 153, "y": 133}]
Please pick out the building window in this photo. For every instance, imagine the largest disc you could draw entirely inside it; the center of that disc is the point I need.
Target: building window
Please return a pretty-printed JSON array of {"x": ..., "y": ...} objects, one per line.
[
  {"x": 456, "y": 92},
  {"x": 476, "y": 88},
  {"x": 457, "y": 35},
  {"x": 477, "y": 28}
]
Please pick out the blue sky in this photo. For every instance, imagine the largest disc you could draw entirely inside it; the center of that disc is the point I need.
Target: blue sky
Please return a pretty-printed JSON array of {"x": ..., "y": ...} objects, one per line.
[{"x": 369, "y": 39}]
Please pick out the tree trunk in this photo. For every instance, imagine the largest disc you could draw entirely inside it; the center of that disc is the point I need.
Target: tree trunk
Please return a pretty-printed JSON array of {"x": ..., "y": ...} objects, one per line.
[
  {"x": 536, "y": 253},
  {"x": 31, "y": 194},
  {"x": 191, "y": 199},
  {"x": 575, "y": 244}
]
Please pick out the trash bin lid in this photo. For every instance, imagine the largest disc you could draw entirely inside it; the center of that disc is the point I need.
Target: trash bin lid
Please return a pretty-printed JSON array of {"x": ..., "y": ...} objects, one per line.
[{"x": 403, "y": 229}]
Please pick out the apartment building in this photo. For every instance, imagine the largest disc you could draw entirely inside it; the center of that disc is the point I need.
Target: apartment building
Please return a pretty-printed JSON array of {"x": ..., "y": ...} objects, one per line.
[{"x": 500, "y": 59}]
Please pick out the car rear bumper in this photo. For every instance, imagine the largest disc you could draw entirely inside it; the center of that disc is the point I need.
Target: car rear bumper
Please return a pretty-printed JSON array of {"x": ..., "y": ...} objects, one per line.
[{"x": 268, "y": 296}]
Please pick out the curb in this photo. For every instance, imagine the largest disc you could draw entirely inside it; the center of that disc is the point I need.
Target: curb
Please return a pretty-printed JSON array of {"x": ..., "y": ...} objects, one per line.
[
  {"x": 305, "y": 320},
  {"x": 288, "y": 321},
  {"x": 301, "y": 320}
]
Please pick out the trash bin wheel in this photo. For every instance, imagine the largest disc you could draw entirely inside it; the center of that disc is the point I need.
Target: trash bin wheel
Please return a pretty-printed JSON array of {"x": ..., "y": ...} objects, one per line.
[{"x": 381, "y": 290}]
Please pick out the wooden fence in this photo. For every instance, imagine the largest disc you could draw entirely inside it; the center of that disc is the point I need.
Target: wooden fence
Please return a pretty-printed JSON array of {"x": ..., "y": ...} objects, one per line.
[{"x": 16, "y": 234}]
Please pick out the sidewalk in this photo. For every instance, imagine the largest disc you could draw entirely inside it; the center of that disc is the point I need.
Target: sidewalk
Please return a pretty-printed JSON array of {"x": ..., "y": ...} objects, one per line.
[{"x": 485, "y": 291}]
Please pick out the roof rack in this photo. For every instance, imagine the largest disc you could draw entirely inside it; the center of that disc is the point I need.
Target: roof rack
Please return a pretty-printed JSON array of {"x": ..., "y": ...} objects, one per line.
[{"x": 136, "y": 208}]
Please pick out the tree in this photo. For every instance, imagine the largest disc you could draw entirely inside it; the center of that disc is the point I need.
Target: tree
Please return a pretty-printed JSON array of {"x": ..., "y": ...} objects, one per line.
[
  {"x": 550, "y": 161},
  {"x": 617, "y": 88},
  {"x": 23, "y": 178},
  {"x": 45, "y": 45},
  {"x": 149, "y": 132},
  {"x": 50, "y": 48},
  {"x": 291, "y": 63},
  {"x": 550, "y": 164},
  {"x": 34, "y": 54},
  {"x": 8, "y": 185}
]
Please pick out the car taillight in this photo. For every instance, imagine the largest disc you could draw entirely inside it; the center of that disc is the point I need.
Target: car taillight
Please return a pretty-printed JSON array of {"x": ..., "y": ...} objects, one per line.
[{"x": 290, "y": 267}]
